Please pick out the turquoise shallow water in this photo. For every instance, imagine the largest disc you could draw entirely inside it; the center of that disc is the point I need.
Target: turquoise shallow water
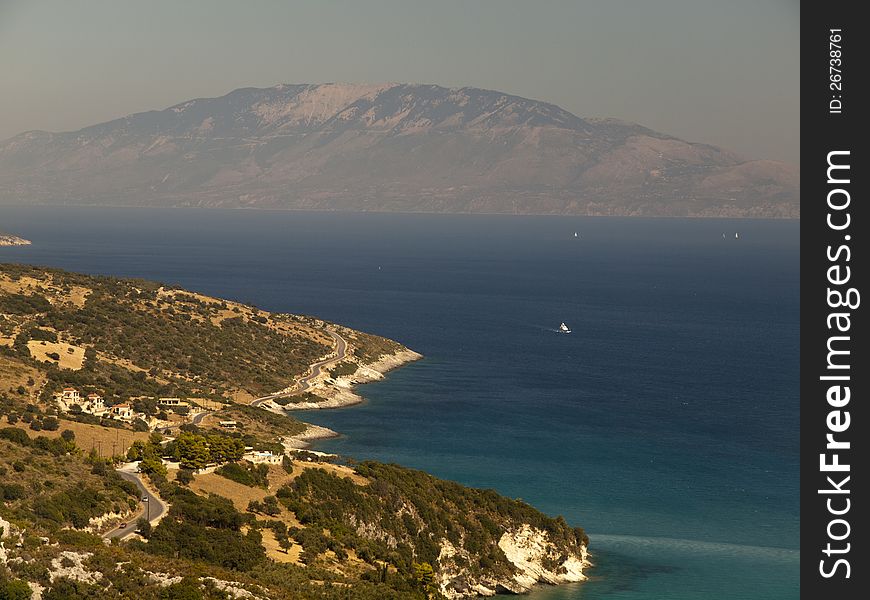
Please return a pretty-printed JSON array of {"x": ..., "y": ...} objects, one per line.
[{"x": 666, "y": 424}]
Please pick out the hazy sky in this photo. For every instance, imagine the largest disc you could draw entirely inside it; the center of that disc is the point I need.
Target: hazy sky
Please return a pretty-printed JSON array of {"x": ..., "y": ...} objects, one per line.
[{"x": 714, "y": 71}]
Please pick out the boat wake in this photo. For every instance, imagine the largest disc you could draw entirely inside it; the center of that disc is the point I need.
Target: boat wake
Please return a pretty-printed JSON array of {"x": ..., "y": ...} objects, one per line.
[{"x": 721, "y": 549}]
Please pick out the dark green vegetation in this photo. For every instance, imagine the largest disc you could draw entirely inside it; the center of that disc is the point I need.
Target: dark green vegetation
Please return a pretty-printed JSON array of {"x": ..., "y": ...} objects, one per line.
[
  {"x": 343, "y": 369},
  {"x": 370, "y": 534},
  {"x": 305, "y": 397},
  {"x": 263, "y": 420},
  {"x": 246, "y": 474},
  {"x": 48, "y": 482},
  {"x": 155, "y": 340},
  {"x": 418, "y": 511}
]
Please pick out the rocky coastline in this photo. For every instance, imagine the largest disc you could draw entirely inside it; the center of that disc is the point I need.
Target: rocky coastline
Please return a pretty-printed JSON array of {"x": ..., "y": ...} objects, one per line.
[
  {"x": 13, "y": 240},
  {"x": 338, "y": 392}
]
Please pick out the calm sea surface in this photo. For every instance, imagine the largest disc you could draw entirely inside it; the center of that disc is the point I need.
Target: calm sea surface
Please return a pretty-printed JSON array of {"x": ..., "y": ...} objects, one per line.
[{"x": 666, "y": 424}]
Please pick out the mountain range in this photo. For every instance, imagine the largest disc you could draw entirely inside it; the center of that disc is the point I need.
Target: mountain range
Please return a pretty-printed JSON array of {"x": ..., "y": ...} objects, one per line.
[{"x": 389, "y": 147}]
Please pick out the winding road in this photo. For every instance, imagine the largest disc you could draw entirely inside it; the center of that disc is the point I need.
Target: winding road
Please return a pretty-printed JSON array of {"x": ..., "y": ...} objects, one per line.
[
  {"x": 155, "y": 504},
  {"x": 155, "y": 509},
  {"x": 315, "y": 370}
]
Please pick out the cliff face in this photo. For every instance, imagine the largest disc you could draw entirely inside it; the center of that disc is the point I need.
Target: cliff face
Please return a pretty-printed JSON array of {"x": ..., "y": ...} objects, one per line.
[
  {"x": 534, "y": 557},
  {"x": 477, "y": 542},
  {"x": 389, "y": 147}
]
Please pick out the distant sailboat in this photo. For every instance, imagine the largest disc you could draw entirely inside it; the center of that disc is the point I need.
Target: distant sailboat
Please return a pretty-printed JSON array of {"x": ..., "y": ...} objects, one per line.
[
  {"x": 736, "y": 235},
  {"x": 564, "y": 328},
  {"x": 575, "y": 235}
]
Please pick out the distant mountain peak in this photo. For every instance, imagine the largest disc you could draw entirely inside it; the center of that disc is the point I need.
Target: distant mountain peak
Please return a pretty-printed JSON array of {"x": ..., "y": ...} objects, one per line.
[{"x": 389, "y": 146}]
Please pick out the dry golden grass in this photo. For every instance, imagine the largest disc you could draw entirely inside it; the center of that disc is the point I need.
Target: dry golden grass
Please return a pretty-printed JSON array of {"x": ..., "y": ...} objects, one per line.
[
  {"x": 93, "y": 436},
  {"x": 76, "y": 295},
  {"x": 123, "y": 362},
  {"x": 208, "y": 403},
  {"x": 240, "y": 495},
  {"x": 14, "y": 373},
  {"x": 241, "y": 396},
  {"x": 19, "y": 286},
  {"x": 276, "y": 553},
  {"x": 337, "y": 470},
  {"x": 71, "y": 357}
]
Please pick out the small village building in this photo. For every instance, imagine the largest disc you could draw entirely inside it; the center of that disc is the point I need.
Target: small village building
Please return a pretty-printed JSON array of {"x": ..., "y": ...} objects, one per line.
[
  {"x": 171, "y": 402},
  {"x": 228, "y": 424},
  {"x": 263, "y": 457},
  {"x": 93, "y": 405},
  {"x": 70, "y": 396},
  {"x": 121, "y": 412}
]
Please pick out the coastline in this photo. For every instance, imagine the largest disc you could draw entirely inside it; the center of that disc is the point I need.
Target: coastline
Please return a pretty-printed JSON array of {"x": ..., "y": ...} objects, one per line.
[
  {"x": 338, "y": 392},
  {"x": 13, "y": 240}
]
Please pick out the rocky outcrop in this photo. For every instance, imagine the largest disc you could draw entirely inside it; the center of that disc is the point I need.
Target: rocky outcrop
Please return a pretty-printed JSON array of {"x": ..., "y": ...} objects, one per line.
[
  {"x": 71, "y": 565},
  {"x": 538, "y": 560},
  {"x": 535, "y": 560},
  {"x": 338, "y": 392},
  {"x": 12, "y": 240}
]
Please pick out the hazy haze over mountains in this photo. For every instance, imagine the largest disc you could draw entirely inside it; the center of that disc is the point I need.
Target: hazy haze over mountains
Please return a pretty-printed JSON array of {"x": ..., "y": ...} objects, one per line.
[{"x": 389, "y": 147}]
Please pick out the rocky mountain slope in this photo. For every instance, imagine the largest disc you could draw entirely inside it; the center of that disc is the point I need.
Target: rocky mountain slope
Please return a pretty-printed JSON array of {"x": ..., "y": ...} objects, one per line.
[{"x": 389, "y": 147}]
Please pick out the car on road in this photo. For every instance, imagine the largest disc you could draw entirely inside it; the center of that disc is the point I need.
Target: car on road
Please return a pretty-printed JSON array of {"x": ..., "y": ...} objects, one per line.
[
  {"x": 144, "y": 498},
  {"x": 122, "y": 526}
]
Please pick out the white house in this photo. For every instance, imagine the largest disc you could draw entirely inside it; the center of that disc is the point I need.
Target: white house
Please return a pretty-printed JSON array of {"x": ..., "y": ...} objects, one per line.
[
  {"x": 263, "y": 458},
  {"x": 171, "y": 402},
  {"x": 93, "y": 405},
  {"x": 70, "y": 396},
  {"x": 121, "y": 412}
]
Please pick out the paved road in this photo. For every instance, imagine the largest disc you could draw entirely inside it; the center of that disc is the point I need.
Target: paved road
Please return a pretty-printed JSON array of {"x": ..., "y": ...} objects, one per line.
[
  {"x": 157, "y": 507},
  {"x": 304, "y": 383}
]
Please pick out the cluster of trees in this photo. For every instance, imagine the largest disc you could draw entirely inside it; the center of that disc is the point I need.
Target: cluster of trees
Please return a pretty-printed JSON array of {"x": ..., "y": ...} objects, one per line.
[
  {"x": 206, "y": 529},
  {"x": 75, "y": 506},
  {"x": 13, "y": 589},
  {"x": 195, "y": 451},
  {"x": 24, "y": 304},
  {"x": 286, "y": 425},
  {"x": 192, "y": 450},
  {"x": 369, "y": 348},
  {"x": 269, "y": 506},
  {"x": 150, "y": 454},
  {"x": 246, "y": 474},
  {"x": 343, "y": 369},
  {"x": 299, "y": 398},
  {"x": 64, "y": 444},
  {"x": 469, "y": 518},
  {"x": 32, "y": 415}
]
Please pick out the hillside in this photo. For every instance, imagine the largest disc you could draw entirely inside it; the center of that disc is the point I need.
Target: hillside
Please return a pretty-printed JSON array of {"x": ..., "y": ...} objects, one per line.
[
  {"x": 12, "y": 240},
  {"x": 98, "y": 372},
  {"x": 389, "y": 147}
]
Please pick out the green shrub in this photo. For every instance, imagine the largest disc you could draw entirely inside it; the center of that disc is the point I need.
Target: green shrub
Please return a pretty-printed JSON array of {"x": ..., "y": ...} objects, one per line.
[{"x": 246, "y": 474}]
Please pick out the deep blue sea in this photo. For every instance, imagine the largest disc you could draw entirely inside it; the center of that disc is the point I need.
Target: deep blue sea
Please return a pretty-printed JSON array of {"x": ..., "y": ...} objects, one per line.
[{"x": 666, "y": 424}]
